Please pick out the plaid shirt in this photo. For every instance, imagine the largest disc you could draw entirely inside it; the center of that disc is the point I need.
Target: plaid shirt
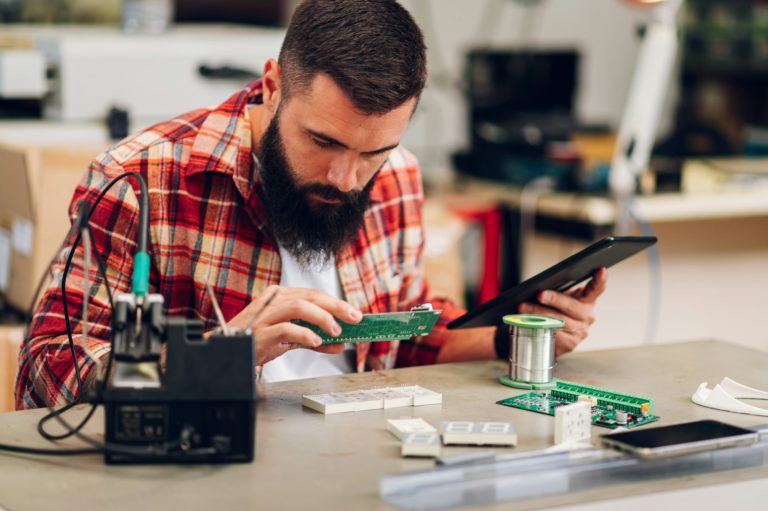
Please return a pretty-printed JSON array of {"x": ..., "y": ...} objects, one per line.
[{"x": 207, "y": 224}]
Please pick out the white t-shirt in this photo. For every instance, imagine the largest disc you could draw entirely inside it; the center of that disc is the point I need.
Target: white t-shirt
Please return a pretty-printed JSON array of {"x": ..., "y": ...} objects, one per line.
[{"x": 304, "y": 363}]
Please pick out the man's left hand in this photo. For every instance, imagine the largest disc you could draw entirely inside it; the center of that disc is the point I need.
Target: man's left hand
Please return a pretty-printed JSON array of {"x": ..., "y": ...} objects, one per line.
[{"x": 575, "y": 307}]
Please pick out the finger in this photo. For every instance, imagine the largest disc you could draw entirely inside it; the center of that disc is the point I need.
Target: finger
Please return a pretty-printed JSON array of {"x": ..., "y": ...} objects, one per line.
[
  {"x": 569, "y": 336},
  {"x": 256, "y": 309},
  {"x": 571, "y": 326},
  {"x": 336, "y": 307},
  {"x": 595, "y": 287},
  {"x": 286, "y": 334},
  {"x": 565, "y": 342},
  {"x": 293, "y": 309},
  {"x": 567, "y": 305},
  {"x": 331, "y": 349}
]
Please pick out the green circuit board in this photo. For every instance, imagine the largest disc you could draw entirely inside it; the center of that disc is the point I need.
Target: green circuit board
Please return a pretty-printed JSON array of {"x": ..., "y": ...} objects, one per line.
[
  {"x": 387, "y": 326},
  {"x": 606, "y": 405}
]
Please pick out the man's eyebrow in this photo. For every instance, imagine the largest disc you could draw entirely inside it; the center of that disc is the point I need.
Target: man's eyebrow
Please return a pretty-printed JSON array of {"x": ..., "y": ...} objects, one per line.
[{"x": 331, "y": 140}]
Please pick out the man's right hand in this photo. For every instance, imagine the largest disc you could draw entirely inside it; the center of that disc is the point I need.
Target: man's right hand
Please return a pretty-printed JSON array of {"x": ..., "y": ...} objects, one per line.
[{"x": 273, "y": 331}]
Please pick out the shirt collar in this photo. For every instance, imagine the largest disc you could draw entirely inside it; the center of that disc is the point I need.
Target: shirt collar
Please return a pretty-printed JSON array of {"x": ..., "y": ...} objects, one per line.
[{"x": 223, "y": 141}]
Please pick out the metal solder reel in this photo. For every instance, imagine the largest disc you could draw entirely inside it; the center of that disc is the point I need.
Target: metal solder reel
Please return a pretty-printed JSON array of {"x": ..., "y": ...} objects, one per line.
[{"x": 532, "y": 351}]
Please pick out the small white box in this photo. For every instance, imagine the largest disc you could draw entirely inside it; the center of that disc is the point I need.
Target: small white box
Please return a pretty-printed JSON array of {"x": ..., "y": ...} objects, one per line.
[
  {"x": 403, "y": 427},
  {"x": 421, "y": 396},
  {"x": 478, "y": 433},
  {"x": 363, "y": 400},
  {"x": 573, "y": 423},
  {"x": 421, "y": 444},
  {"x": 392, "y": 397},
  {"x": 328, "y": 403},
  {"x": 371, "y": 399}
]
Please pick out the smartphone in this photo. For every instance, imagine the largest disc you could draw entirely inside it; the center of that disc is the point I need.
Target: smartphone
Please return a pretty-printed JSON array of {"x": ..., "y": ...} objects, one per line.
[
  {"x": 560, "y": 277},
  {"x": 689, "y": 437}
]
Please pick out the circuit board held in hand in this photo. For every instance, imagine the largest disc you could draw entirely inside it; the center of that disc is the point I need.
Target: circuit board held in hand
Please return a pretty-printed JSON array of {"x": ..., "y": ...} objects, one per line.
[
  {"x": 387, "y": 326},
  {"x": 609, "y": 409}
]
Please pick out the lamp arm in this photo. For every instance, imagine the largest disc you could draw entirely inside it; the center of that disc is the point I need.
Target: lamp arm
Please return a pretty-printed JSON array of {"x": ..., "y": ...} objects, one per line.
[{"x": 641, "y": 116}]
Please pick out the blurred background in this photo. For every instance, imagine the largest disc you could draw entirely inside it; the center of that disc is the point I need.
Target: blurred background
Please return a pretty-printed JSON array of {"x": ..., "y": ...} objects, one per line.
[{"x": 516, "y": 133}]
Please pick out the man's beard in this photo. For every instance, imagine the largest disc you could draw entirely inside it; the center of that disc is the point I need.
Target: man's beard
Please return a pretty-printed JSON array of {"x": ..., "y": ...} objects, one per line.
[{"x": 311, "y": 232}]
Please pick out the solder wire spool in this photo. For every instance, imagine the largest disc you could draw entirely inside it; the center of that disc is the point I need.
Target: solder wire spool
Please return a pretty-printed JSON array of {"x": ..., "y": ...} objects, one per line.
[{"x": 532, "y": 351}]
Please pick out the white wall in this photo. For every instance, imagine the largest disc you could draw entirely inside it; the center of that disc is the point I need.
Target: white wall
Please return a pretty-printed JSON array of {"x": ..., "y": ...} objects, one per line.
[
  {"x": 604, "y": 31},
  {"x": 712, "y": 285}
]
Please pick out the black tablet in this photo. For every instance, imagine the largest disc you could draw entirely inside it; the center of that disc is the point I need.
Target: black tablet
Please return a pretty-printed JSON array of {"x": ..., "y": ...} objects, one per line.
[{"x": 564, "y": 275}]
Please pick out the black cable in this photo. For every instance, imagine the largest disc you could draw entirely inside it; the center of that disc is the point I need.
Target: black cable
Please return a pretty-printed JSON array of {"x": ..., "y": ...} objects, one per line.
[
  {"x": 81, "y": 222},
  {"x": 31, "y": 308},
  {"x": 49, "y": 452},
  {"x": 142, "y": 246},
  {"x": 151, "y": 450},
  {"x": 79, "y": 226},
  {"x": 57, "y": 413},
  {"x": 159, "y": 450}
]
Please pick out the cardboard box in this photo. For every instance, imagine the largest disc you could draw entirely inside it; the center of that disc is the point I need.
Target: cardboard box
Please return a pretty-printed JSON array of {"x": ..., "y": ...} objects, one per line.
[
  {"x": 36, "y": 186},
  {"x": 10, "y": 342}
]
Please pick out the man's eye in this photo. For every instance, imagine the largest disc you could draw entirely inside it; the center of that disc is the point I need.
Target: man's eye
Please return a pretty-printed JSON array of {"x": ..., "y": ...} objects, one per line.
[{"x": 321, "y": 143}]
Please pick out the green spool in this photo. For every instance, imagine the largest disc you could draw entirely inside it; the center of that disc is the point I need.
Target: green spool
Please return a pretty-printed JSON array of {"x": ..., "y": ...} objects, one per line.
[
  {"x": 509, "y": 382},
  {"x": 535, "y": 321}
]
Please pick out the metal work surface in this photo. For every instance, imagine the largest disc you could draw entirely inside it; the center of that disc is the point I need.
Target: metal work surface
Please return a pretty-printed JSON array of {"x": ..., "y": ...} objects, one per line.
[{"x": 307, "y": 460}]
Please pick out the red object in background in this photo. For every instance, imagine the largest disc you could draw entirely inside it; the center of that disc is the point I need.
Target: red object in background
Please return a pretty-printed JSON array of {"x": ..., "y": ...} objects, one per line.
[{"x": 490, "y": 219}]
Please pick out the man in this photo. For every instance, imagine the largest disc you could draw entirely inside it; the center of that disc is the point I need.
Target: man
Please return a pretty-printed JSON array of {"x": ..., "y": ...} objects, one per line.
[{"x": 295, "y": 191}]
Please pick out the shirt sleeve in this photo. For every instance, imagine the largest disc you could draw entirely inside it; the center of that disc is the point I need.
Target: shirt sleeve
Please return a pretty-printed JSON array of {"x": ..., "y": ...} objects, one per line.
[
  {"x": 414, "y": 289},
  {"x": 47, "y": 360}
]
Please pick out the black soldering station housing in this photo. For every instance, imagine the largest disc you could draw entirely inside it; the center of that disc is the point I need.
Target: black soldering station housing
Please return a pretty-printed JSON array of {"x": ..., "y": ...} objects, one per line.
[{"x": 204, "y": 411}]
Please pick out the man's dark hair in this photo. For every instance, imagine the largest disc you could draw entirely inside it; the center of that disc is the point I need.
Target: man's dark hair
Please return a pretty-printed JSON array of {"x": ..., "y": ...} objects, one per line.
[{"x": 372, "y": 49}]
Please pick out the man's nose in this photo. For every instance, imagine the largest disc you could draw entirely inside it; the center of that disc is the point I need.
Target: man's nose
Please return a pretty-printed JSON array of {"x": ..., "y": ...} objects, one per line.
[{"x": 343, "y": 173}]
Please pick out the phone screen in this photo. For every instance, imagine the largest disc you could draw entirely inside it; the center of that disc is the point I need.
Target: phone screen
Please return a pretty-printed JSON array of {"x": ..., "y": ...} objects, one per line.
[{"x": 665, "y": 436}]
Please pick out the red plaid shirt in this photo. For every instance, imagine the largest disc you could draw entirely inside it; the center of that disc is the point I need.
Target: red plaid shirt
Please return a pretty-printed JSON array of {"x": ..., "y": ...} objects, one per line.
[{"x": 207, "y": 225}]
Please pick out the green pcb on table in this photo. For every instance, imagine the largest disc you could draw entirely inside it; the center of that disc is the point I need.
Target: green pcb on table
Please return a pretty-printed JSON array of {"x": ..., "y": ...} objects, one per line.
[{"x": 609, "y": 409}]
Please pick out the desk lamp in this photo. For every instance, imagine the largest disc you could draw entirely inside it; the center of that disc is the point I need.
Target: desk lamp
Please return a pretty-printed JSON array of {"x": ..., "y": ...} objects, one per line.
[{"x": 643, "y": 108}]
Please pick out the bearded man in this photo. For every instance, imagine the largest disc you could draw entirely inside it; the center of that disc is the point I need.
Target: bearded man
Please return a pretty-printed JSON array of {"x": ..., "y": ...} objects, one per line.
[{"x": 295, "y": 185}]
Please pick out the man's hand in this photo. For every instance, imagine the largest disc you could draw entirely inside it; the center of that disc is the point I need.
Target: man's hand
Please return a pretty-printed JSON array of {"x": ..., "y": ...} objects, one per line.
[
  {"x": 270, "y": 316},
  {"x": 575, "y": 307}
]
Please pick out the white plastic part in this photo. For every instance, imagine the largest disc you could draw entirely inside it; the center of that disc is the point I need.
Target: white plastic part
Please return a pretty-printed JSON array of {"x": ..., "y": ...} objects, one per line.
[
  {"x": 407, "y": 425},
  {"x": 725, "y": 397},
  {"x": 573, "y": 423},
  {"x": 738, "y": 390}
]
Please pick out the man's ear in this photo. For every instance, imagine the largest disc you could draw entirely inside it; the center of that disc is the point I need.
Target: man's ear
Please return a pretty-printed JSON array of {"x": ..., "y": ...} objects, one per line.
[{"x": 270, "y": 86}]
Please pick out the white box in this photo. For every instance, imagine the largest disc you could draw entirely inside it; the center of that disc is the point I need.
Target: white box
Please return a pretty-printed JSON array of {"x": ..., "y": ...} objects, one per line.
[
  {"x": 573, "y": 423},
  {"x": 362, "y": 400},
  {"x": 328, "y": 403},
  {"x": 426, "y": 444},
  {"x": 392, "y": 397},
  {"x": 421, "y": 396},
  {"x": 402, "y": 427},
  {"x": 478, "y": 433}
]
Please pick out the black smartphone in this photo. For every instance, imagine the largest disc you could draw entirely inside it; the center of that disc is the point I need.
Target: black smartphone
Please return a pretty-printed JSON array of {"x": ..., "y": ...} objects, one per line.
[
  {"x": 560, "y": 277},
  {"x": 689, "y": 437}
]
